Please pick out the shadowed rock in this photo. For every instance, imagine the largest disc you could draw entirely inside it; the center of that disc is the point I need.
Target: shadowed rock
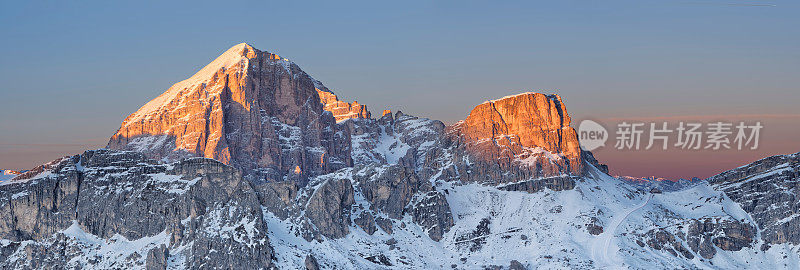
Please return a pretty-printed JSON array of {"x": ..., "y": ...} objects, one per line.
[{"x": 188, "y": 210}]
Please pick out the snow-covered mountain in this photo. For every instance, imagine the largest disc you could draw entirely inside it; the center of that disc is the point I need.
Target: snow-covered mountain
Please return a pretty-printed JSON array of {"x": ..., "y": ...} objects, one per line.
[
  {"x": 657, "y": 184},
  {"x": 253, "y": 164}
]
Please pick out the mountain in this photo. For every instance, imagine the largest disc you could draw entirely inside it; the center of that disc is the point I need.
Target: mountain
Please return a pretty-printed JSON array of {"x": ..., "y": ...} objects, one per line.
[
  {"x": 253, "y": 110},
  {"x": 767, "y": 190},
  {"x": 529, "y": 131},
  {"x": 251, "y": 163},
  {"x": 657, "y": 184},
  {"x": 110, "y": 209}
]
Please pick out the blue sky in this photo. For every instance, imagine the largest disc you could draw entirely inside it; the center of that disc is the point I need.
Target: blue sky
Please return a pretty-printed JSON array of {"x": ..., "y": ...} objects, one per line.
[{"x": 72, "y": 71}]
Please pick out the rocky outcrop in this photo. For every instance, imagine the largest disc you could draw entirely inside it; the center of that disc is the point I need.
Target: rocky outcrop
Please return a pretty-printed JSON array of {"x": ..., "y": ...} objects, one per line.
[
  {"x": 767, "y": 190},
  {"x": 182, "y": 212},
  {"x": 367, "y": 222},
  {"x": 726, "y": 235},
  {"x": 385, "y": 224},
  {"x": 475, "y": 239},
  {"x": 557, "y": 183},
  {"x": 432, "y": 212},
  {"x": 390, "y": 189},
  {"x": 278, "y": 197},
  {"x": 342, "y": 110},
  {"x": 663, "y": 240},
  {"x": 702, "y": 236},
  {"x": 518, "y": 138},
  {"x": 594, "y": 227},
  {"x": 311, "y": 263},
  {"x": 328, "y": 208},
  {"x": 660, "y": 184},
  {"x": 395, "y": 191},
  {"x": 157, "y": 258},
  {"x": 516, "y": 265},
  {"x": 249, "y": 109}
]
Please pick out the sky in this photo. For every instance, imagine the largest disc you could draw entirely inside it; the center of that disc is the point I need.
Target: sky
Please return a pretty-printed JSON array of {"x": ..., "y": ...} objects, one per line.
[{"x": 72, "y": 71}]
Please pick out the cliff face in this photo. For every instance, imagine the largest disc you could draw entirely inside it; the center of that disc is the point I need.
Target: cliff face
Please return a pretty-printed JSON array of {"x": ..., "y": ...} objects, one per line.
[
  {"x": 342, "y": 110},
  {"x": 767, "y": 189},
  {"x": 529, "y": 130},
  {"x": 108, "y": 209},
  {"x": 250, "y": 109},
  {"x": 261, "y": 113}
]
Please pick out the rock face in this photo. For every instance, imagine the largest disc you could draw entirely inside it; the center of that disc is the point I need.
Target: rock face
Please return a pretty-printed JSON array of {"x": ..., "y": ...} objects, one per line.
[
  {"x": 556, "y": 183},
  {"x": 391, "y": 189},
  {"x": 132, "y": 212},
  {"x": 396, "y": 158},
  {"x": 526, "y": 134},
  {"x": 528, "y": 129},
  {"x": 311, "y": 263},
  {"x": 367, "y": 223},
  {"x": 432, "y": 212},
  {"x": 249, "y": 109},
  {"x": 702, "y": 236},
  {"x": 342, "y": 110},
  {"x": 329, "y": 207},
  {"x": 661, "y": 184},
  {"x": 767, "y": 190}
]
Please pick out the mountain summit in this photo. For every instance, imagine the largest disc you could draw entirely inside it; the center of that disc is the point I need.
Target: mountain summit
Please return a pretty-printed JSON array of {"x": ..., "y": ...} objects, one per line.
[
  {"x": 250, "y": 109},
  {"x": 261, "y": 113},
  {"x": 528, "y": 130}
]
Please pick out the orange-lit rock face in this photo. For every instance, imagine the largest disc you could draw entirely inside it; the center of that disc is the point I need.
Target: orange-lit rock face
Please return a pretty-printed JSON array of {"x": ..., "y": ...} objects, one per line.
[
  {"x": 342, "y": 110},
  {"x": 250, "y": 109},
  {"x": 527, "y": 130}
]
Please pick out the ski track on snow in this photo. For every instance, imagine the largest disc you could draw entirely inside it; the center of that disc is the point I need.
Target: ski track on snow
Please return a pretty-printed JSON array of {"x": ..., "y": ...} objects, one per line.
[{"x": 602, "y": 251}]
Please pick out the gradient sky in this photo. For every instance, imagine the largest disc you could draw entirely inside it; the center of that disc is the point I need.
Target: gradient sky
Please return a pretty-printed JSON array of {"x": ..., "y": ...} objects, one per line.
[{"x": 72, "y": 71}]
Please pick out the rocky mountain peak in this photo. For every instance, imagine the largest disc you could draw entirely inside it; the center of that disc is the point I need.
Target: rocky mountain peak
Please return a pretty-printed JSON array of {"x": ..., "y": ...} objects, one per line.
[
  {"x": 231, "y": 59},
  {"x": 527, "y": 130},
  {"x": 261, "y": 113},
  {"x": 248, "y": 108}
]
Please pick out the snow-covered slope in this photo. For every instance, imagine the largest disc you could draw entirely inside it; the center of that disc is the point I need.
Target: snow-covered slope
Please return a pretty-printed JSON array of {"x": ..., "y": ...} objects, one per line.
[
  {"x": 600, "y": 223},
  {"x": 548, "y": 229}
]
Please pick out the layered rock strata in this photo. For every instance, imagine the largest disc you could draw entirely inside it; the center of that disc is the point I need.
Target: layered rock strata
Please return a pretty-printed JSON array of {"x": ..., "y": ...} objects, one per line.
[
  {"x": 527, "y": 135},
  {"x": 101, "y": 201},
  {"x": 342, "y": 110},
  {"x": 249, "y": 109}
]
